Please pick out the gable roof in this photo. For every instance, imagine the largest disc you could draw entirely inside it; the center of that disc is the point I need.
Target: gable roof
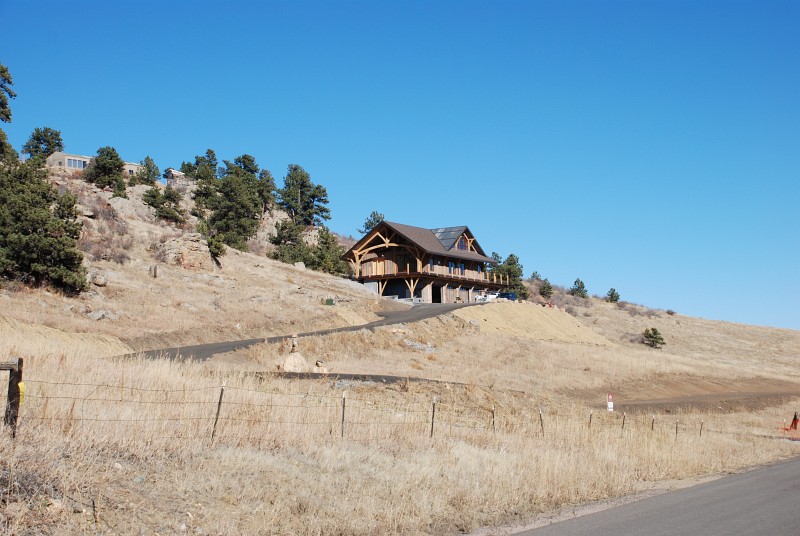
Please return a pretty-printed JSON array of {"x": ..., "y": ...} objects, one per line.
[{"x": 439, "y": 241}]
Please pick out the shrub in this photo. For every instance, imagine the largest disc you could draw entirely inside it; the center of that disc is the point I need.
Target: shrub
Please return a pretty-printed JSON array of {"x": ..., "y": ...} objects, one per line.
[{"x": 653, "y": 338}]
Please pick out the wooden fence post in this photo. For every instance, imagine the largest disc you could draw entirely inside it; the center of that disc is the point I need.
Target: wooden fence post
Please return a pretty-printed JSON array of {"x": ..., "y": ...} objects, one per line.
[
  {"x": 433, "y": 414},
  {"x": 13, "y": 399},
  {"x": 541, "y": 421},
  {"x": 494, "y": 429},
  {"x": 590, "y": 420},
  {"x": 701, "y": 428},
  {"x": 343, "y": 405},
  {"x": 219, "y": 407},
  {"x": 623, "y": 422}
]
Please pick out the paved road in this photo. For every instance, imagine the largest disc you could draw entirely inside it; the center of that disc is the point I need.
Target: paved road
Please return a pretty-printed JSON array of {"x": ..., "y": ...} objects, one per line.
[
  {"x": 201, "y": 352},
  {"x": 760, "y": 502}
]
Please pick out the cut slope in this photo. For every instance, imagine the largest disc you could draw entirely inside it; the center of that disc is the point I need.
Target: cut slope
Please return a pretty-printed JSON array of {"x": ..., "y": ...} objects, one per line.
[
  {"x": 531, "y": 322},
  {"x": 20, "y": 338}
]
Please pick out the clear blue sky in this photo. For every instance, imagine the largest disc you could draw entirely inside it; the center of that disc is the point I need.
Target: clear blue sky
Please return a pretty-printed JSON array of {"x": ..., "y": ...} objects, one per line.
[{"x": 650, "y": 146}]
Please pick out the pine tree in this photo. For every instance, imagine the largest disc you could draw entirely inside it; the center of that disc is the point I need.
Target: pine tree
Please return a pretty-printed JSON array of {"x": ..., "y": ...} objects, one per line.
[
  {"x": 546, "y": 289},
  {"x": 612, "y": 296},
  {"x": 106, "y": 169},
  {"x": 372, "y": 220},
  {"x": 43, "y": 142},
  {"x": 328, "y": 253},
  {"x": 147, "y": 174},
  {"x": 579, "y": 289},
  {"x": 653, "y": 338},
  {"x": 304, "y": 201},
  {"x": 39, "y": 230}
]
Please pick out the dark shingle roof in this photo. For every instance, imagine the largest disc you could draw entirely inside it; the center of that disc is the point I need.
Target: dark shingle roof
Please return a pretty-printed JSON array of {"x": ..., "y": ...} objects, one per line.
[{"x": 439, "y": 241}]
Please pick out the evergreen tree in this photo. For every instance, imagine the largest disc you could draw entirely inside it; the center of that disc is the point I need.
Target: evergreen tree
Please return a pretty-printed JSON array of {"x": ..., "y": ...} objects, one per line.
[
  {"x": 372, "y": 220},
  {"x": 43, "y": 142},
  {"x": 290, "y": 246},
  {"x": 106, "y": 169},
  {"x": 237, "y": 205},
  {"x": 578, "y": 289},
  {"x": 328, "y": 254},
  {"x": 303, "y": 200},
  {"x": 266, "y": 190},
  {"x": 147, "y": 174},
  {"x": 39, "y": 230},
  {"x": 167, "y": 205},
  {"x": 6, "y": 93},
  {"x": 653, "y": 338},
  {"x": 8, "y": 155},
  {"x": 546, "y": 289},
  {"x": 612, "y": 296},
  {"x": 512, "y": 269}
]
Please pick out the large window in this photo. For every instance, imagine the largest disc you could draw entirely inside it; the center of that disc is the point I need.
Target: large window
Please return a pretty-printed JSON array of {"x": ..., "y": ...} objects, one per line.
[
  {"x": 462, "y": 243},
  {"x": 74, "y": 163}
]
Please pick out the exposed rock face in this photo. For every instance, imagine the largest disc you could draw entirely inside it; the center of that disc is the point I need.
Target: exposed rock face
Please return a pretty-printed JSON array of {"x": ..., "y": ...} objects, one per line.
[{"x": 189, "y": 251}]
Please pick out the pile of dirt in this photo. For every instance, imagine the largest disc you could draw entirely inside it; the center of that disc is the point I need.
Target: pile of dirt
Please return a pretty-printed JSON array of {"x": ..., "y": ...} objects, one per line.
[{"x": 530, "y": 321}]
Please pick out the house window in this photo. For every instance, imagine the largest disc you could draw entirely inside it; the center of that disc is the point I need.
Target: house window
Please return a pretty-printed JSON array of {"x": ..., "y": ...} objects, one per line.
[
  {"x": 450, "y": 266},
  {"x": 462, "y": 243},
  {"x": 461, "y": 267},
  {"x": 431, "y": 265}
]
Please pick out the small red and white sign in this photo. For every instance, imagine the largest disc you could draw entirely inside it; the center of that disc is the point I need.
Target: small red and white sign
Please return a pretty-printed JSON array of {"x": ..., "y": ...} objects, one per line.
[{"x": 610, "y": 402}]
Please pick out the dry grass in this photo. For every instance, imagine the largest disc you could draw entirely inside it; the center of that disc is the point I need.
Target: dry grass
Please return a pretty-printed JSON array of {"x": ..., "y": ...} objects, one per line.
[{"x": 135, "y": 437}]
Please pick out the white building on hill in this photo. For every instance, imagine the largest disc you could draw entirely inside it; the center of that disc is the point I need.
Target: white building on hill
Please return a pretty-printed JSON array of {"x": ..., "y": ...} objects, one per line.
[{"x": 76, "y": 162}]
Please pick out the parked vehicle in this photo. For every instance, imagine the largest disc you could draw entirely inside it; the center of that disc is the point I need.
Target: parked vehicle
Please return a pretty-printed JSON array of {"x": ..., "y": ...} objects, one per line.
[{"x": 510, "y": 296}]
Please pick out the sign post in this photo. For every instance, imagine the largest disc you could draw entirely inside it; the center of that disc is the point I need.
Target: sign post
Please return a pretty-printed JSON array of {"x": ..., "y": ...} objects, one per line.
[{"x": 610, "y": 402}]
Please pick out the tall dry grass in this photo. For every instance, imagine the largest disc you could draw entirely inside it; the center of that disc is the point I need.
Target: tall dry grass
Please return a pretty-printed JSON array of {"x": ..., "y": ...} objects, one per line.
[{"x": 135, "y": 437}]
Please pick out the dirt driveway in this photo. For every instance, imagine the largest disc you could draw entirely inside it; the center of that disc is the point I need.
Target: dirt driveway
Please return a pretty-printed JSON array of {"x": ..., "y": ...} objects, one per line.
[{"x": 683, "y": 393}]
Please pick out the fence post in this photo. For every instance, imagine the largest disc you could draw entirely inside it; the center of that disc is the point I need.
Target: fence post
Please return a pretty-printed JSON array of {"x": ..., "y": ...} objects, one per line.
[
  {"x": 541, "y": 421},
  {"x": 13, "y": 399},
  {"x": 219, "y": 407},
  {"x": 494, "y": 429},
  {"x": 623, "y": 422},
  {"x": 343, "y": 405},
  {"x": 701, "y": 428},
  {"x": 676, "y": 429},
  {"x": 653, "y": 423},
  {"x": 590, "y": 420},
  {"x": 433, "y": 414}
]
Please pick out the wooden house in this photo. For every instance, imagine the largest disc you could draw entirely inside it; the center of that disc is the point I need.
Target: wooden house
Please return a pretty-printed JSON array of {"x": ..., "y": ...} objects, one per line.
[{"x": 445, "y": 265}]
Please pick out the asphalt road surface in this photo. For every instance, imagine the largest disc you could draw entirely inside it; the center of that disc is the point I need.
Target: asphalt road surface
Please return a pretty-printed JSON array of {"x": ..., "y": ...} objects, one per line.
[
  {"x": 764, "y": 501},
  {"x": 201, "y": 352}
]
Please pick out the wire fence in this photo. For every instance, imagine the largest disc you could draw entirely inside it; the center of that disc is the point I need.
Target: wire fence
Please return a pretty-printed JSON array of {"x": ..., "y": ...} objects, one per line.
[{"x": 238, "y": 416}]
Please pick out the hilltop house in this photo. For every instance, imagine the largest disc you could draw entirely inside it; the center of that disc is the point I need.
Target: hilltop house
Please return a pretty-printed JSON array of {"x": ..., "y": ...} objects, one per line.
[
  {"x": 76, "y": 162},
  {"x": 444, "y": 265}
]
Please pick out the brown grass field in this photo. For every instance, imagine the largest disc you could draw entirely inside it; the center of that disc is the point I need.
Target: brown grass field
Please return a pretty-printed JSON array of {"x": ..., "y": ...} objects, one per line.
[{"x": 498, "y": 435}]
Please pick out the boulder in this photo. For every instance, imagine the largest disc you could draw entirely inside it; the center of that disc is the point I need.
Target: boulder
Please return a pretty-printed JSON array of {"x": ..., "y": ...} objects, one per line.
[{"x": 294, "y": 362}]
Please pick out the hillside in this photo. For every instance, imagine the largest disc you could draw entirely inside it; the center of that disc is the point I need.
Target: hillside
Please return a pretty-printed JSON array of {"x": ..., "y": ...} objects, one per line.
[{"x": 495, "y": 433}]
